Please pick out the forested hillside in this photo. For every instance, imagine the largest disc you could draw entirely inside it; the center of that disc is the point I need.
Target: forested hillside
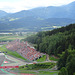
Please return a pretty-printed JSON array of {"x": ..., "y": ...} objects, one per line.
[
  {"x": 55, "y": 41},
  {"x": 66, "y": 63},
  {"x": 33, "y": 23},
  {"x": 59, "y": 42}
]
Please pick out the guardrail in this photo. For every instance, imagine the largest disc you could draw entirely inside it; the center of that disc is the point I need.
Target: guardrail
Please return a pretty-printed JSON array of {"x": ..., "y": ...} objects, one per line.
[{"x": 3, "y": 67}]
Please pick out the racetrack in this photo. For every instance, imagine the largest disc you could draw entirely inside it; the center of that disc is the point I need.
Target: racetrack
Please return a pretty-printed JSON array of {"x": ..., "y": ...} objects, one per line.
[
  {"x": 14, "y": 61},
  {"x": 2, "y": 58},
  {"x": 11, "y": 61}
]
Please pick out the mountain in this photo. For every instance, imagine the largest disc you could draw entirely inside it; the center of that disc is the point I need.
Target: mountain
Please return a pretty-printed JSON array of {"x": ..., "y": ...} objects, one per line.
[
  {"x": 65, "y": 11},
  {"x": 2, "y": 13},
  {"x": 39, "y": 19},
  {"x": 34, "y": 24}
]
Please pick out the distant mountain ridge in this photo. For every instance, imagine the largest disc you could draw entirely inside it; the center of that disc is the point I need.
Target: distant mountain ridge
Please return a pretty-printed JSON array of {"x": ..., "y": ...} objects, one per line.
[
  {"x": 41, "y": 18},
  {"x": 2, "y": 13},
  {"x": 65, "y": 11}
]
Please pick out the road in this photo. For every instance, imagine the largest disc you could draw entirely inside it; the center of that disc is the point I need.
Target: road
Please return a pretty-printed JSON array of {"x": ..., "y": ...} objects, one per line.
[
  {"x": 14, "y": 61},
  {"x": 11, "y": 62},
  {"x": 2, "y": 58}
]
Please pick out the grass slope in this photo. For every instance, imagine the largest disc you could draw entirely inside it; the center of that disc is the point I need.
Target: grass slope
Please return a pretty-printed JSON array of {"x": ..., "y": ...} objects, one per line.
[
  {"x": 43, "y": 58},
  {"x": 47, "y": 65},
  {"x": 40, "y": 72},
  {"x": 39, "y": 69},
  {"x": 53, "y": 58},
  {"x": 9, "y": 52}
]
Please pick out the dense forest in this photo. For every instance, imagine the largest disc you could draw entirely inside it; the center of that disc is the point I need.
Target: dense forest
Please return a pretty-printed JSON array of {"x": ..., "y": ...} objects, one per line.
[
  {"x": 55, "y": 41},
  {"x": 59, "y": 42},
  {"x": 66, "y": 63}
]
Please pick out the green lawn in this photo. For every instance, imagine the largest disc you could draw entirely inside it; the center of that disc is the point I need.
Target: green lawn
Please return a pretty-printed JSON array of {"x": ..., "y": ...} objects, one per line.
[
  {"x": 40, "y": 72},
  {"x": 43, "y": 58},
  {"x": 48, "y": 72},
  {"x": 53, "y": 58},
  {"x": 36, "y": 72},
  {"x": 27, "y": 72}
]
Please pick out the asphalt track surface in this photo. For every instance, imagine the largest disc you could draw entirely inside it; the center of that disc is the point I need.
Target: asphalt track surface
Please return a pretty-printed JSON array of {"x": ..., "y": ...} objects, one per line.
[
  {"x": 2, "y": 58},
  {"x": 11, "y": 62}
]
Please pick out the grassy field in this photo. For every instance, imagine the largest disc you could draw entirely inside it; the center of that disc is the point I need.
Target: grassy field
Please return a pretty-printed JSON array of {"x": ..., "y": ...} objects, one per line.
[
  {"x": 40, "y": 72},
  {"x": 47, "y": 65},
  {"x": 10, "y": 38},
  {"x": 38, "y": 69},
  {"x": 43, "y": 58},
  {"x": 16, "y": 36},
  {"x": 48, "y": 72},
  {"x": 27, "y": 72},
  {"x": 53, "y": 58},
  {"x": 9, "y": 52}
]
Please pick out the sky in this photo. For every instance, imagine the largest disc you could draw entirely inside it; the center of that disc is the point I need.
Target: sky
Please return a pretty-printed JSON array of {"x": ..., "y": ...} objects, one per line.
[{"x": 12, "y": 6}]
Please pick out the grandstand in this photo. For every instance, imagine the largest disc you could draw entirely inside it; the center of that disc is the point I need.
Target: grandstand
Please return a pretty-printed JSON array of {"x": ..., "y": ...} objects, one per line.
[{"x": 24, "y": 49}]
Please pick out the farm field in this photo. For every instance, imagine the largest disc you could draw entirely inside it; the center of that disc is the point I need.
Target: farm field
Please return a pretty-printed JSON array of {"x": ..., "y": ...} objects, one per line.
[{"x": 10, "y": 38}]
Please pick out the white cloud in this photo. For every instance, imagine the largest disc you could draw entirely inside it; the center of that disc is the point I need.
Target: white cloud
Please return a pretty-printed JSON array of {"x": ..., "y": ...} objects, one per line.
[{"x": 18, "y": 5}]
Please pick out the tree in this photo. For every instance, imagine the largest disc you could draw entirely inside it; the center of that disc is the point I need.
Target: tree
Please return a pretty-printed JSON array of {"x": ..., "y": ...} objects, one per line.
[
  {"x": 62, "y": 61},
  {"x": 63, "y": 71},
  {"x": 71, "y": 65}
]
